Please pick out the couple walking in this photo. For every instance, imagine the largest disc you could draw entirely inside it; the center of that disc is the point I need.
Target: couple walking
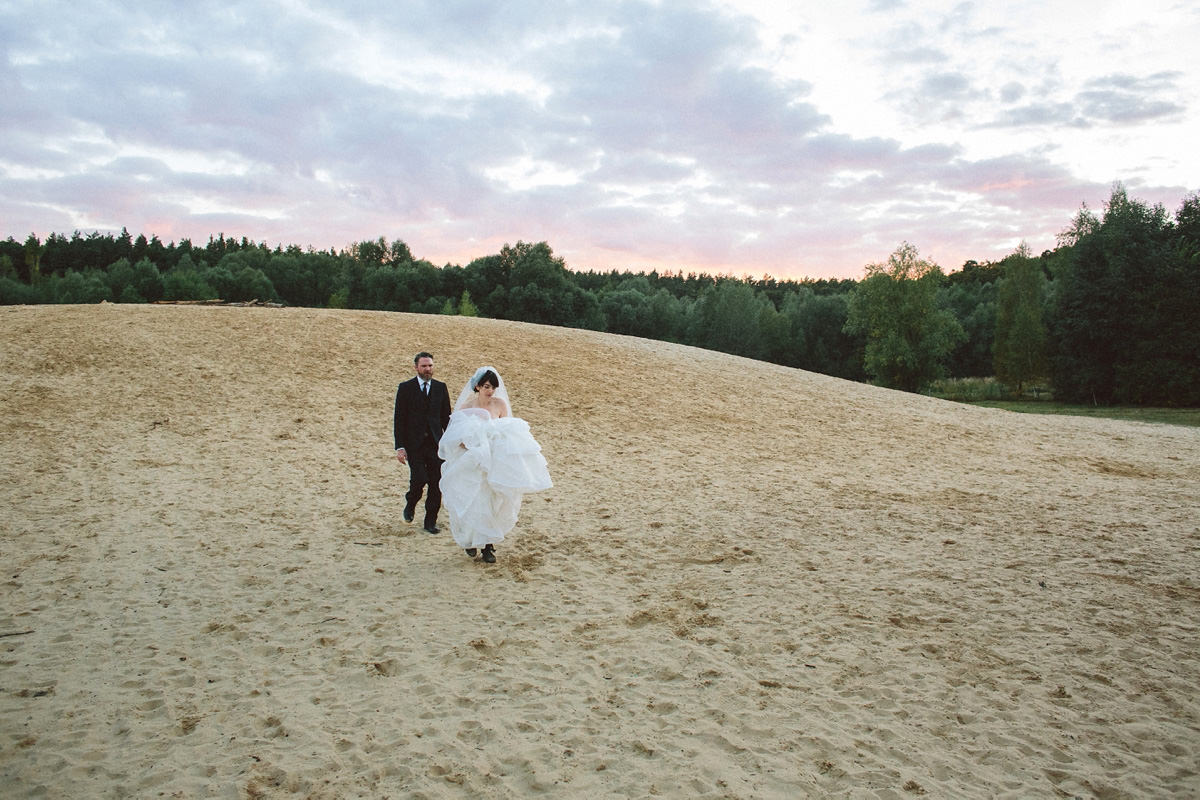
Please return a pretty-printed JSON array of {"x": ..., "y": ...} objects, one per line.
[{"x": 480, "y": 458}]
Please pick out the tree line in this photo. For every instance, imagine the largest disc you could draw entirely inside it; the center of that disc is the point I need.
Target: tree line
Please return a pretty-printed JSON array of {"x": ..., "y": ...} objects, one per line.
[{"x": 1107, "y": 316}]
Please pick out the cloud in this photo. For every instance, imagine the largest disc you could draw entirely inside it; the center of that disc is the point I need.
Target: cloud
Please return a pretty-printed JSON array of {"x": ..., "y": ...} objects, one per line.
[
  {"x": 646, "y": 132},
  {"x": 1127, "y": 99},
  {"x": 943, "y": 95},
  {"x": 918, "y": 56},
  {"x": 1040, "y": 115},
  {"x": 1118, "y": 99},
  {"x": 1011, "y": 92}
]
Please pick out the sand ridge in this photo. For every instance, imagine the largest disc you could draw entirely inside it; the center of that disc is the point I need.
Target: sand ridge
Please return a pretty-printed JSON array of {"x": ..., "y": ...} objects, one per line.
[{"x": 748, "y": 580}]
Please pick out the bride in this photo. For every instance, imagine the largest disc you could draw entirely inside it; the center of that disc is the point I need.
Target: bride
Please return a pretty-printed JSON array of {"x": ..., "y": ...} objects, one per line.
[{"x": 492, "y": 461}]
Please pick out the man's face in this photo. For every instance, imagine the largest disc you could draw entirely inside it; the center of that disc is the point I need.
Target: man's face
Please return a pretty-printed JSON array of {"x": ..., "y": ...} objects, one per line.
[{"x": 425, "y": 368}]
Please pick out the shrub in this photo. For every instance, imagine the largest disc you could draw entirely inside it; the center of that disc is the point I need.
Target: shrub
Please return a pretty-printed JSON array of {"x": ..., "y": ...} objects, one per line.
[
  {"x": 251, "y": 283},
  {"x": 82, "y": 287},
  {"x": 17, "y": 293},
  {"x": 186, "y": 284},
  {"x": 130, "y": 295},
  {"x": 968, "y": 390}
]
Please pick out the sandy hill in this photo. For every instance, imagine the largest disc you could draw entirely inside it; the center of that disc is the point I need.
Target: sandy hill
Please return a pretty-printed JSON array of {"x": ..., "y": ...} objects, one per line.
[{"x": 748, "y": 581}]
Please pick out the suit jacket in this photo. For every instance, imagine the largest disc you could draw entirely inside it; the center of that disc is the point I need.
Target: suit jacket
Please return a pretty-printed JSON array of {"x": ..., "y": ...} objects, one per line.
[{"x": 417, "y": 416}]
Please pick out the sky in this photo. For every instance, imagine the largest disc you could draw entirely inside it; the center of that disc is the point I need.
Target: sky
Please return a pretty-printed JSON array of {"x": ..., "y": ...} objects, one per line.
[{"x": 742, "y": 137}]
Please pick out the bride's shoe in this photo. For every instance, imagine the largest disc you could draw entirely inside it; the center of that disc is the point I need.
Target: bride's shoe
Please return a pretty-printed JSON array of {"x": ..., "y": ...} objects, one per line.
[
  {"x": 471, "y": 552},
  {"x": 489, "y": 554}
]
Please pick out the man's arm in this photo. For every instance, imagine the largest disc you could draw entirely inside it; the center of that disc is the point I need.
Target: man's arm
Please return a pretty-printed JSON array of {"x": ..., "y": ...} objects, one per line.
[
  {"x": 445, "y": 410},
  {"x": 399, "y": 417}
]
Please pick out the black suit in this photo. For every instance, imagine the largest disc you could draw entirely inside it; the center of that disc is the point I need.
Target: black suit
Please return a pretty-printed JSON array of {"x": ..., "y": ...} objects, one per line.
[{"x": 419, "y": 422}]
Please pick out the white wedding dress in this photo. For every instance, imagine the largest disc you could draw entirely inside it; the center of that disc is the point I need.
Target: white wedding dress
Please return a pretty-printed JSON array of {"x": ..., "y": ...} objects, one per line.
[{"x": 490, "y": 464}]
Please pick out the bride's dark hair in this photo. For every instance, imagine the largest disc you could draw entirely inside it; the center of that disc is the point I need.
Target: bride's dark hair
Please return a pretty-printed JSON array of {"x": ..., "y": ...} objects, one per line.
[{"x": 487, "y": 377}]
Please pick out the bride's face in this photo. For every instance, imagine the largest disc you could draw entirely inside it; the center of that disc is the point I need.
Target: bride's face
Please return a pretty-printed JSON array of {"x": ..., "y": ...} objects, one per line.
[{"x": 486, "y": 390}]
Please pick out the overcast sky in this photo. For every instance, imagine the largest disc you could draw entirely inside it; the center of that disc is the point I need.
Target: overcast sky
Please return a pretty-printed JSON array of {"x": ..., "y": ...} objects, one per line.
[{"x": 737, "y": 137}]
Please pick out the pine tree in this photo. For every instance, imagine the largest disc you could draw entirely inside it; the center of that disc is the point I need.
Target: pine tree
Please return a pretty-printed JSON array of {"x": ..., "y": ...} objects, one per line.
[{"x": 465, "y": 307}]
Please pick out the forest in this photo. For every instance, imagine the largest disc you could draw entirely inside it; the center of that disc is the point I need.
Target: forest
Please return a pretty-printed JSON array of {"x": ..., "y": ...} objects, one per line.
[{"x": 1106, "y": 317}]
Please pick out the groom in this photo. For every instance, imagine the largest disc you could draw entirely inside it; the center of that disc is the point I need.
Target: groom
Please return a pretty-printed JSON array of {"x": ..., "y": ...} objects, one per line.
[{"x": 422, "y": 413}]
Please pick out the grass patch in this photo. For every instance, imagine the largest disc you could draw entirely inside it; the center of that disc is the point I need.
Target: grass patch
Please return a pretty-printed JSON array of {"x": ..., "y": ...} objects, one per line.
[
  {"x": 1168, "y": 416},
  {"x": 967, "y": 390},
  {"x": 1038, "y": 399}
]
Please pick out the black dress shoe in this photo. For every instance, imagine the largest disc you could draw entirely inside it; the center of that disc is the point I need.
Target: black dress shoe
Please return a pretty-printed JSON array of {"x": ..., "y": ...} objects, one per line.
[
  {"x": 408, "y": 515},
  {"x": 432, "y": 529},
  {"x": 471, "y": 552},
  {"x": 489, "y": 555}
]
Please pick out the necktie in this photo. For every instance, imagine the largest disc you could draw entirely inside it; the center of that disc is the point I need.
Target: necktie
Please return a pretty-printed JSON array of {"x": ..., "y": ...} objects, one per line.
[{"x": 425, "y": 388}]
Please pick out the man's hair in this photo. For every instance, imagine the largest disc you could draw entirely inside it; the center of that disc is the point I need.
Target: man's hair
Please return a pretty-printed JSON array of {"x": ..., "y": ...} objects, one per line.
[{"x": 421, "y": 355}]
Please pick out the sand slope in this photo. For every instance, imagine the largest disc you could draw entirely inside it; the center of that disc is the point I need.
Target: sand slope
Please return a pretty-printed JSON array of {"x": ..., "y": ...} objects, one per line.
[{"x": 748, "y": 581}]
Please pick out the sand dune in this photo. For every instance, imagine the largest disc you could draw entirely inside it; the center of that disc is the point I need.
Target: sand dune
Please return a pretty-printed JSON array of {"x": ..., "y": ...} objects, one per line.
[{"x": 748, "y": 581}]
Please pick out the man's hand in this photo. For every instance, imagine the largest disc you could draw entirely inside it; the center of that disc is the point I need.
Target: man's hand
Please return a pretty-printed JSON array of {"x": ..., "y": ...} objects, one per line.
[{"x": 402, "y": 456}]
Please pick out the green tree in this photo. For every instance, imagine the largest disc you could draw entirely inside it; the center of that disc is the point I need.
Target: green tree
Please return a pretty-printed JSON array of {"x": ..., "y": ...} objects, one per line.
[
  {"x": 120, "y": 276},
  {"x": 973, "y": 304},
  {"x": 432, "y": 305},
  {"x": 424, "y": 282},
  {"x": 1124, "y": 314},
  {"x": 220, "y": 278},
  {"x": 130, "y": 295},
  {"x": 141, "y": 248},
  {"x": 908, "y": 336},
  {"x": 187, "y": 284},
  {"x": 89, "y": 286},
  {"x": 147, "y": 280},
  {"x": 627, "y": 311},
  {"x": 540, "y": 290},
  {"x": 387, "y": 288},
  {"x": 727, "y": 318},
  {"x": 465, "y": 307},
  {"x": 1187, "y": 224},
  {"x": 486, "y": 278},
  {"x": 339, "y": 298},
  {"x": 667, "y": 316},
  {"x": 776, "y": 332},
  {"x": 33, "y": 259},
  {"x": 817, "y": 339},
  {"x": 250, "y": 283},
  {"x": 304, "y": 279},
  {"x": 1020, "y": 348},
  {"x": 16, "y": 293},
  {"x": 375, "y": 252},
  {"x": 398, "y": 252}
]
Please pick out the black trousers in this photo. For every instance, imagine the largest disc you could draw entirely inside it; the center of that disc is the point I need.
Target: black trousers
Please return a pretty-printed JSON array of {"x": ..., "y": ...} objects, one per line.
[{"x": 425, "y": 469}]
